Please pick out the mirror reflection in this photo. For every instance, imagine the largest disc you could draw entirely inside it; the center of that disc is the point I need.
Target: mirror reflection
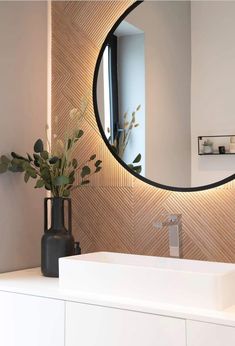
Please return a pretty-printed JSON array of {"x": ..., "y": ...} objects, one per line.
[{"x": 166, "y": 89}]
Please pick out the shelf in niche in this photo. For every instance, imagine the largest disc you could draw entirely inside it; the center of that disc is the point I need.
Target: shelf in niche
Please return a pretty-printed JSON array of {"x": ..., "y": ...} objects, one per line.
[
  {"x": 219, "y": 142},
  {"x": 213, "y": 154}
]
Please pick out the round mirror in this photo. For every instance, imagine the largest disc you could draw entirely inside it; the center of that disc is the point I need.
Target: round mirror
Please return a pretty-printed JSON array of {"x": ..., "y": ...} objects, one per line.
[{"x": 164, "y": 91}]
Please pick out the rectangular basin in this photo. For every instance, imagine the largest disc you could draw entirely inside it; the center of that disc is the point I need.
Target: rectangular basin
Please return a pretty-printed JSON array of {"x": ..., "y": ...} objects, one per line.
[{"x": 200, "y": 284}]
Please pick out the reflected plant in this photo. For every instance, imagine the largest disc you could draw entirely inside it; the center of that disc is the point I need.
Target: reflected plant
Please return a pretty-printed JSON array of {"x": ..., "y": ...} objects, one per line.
[
  {"x": 57, "y": 169},
  {"x": 122, "y": 139},
  {"x": 207, "y": 143}
]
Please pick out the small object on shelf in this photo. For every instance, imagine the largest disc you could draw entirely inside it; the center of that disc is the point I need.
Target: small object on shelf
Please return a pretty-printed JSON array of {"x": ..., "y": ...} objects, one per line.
[
  {"x": 232, "y": 144},
  {"x": 222, "y": 149},
  {"x": 232, "y": 139},
  {"x": 207, "y": 147}
]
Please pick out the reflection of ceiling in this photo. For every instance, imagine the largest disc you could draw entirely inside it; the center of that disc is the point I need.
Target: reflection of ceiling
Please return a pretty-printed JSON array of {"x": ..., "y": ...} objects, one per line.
[{"x": 126, "y": 28}]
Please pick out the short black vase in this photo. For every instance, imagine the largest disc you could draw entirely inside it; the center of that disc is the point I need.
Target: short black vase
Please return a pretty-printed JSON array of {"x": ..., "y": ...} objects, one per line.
[{"x": 57, "y": 241}]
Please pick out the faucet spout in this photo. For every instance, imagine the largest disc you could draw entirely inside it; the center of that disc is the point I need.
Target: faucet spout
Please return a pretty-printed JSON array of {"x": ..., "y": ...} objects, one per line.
[{"x": 174, "y": 224}]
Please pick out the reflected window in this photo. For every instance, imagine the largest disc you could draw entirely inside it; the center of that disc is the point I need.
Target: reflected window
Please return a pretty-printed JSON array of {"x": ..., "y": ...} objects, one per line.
[{"x": 110, "y": 90}]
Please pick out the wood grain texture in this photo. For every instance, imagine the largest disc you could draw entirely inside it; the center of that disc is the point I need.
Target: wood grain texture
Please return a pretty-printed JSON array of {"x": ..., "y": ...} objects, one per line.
[{"x": 116, "y": 212}]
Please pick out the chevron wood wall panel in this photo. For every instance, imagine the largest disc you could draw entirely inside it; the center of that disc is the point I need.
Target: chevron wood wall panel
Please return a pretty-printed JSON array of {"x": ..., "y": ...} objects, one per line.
[{"x": 116, "y": 212}]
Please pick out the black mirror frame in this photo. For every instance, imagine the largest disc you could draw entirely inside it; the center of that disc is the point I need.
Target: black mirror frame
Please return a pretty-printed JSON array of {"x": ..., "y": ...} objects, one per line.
[{"x": 95, "y": 105}]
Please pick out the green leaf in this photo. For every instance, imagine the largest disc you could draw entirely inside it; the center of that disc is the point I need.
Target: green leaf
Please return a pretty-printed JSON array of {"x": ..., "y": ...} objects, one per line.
[
  {"x": 98, "y": 162},
  {"x": 66, "y": 193},
  {"x": 29, "y": 157},
  {"x": 74, "y": 163},
  {"x": 45, "y": 173},
  {"x": 137, "y": 169},
  {"x": 92, "y": 157},
  {"x": 38, "y": 146},
  {"x": 5, "y": 160},
  {"x": 85, "y": 171},
  {"x": 15, "y": 168},
  {"x": 48, "y": 187},
  {"x": 26, "y": 177},
  {"x": 44, "y": 154},
  {"x": 98, "y": 169},
  {"x": 137, "y": 159},
  {"x": 25, "y": 165},
  {"x": 17, "y": 165},
  {"x": 79, "y": 134},
  {"x": 85, "y": 182},
  {"x": 3, "y": 167},
  {"x": 114, "y": 149},
  {"x": 37, "y": 160},
  {"x": 53, "y": 160},
  {"x": 138, "y": 108},
  {"x": 16, "y": 161},
  {"x": 71, "y": 177},
  {"x": 32, "y": 173},
  {"x": 58, "y": 163},
  {"x": 40, "y": 183},
  {"x": 69, "y": 143},
  {"x": 36, "y": 157},
  {"x": 61, "y": 180},
  {"x": 36, "y": 163},
  {"x": 16, "y": 156}
]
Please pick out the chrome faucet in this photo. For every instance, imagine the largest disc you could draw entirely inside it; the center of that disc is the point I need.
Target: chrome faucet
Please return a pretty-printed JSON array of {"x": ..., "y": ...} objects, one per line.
[{"x": 174, "y": 224}]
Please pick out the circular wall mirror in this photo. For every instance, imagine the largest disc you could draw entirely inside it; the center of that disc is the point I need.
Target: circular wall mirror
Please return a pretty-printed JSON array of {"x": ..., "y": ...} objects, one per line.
[{"x": 164, "y": 89}]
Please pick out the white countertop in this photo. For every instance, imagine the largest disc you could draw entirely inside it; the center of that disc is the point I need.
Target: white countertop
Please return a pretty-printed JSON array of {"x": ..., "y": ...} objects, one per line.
[{"x": 31, "y": 282}]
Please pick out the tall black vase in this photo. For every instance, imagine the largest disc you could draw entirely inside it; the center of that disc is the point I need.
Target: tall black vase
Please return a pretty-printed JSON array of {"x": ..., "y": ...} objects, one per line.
[{"x": 57, "y": 241}]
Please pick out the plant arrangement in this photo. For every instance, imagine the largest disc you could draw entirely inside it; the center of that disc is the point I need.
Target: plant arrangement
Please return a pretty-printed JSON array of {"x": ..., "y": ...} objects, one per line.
[
  {"x": 207, "y": 146},
  {"x": 122, "y": 139},
  {"x": 207, "y": 143},
  {"x": 55, "y": 169}
]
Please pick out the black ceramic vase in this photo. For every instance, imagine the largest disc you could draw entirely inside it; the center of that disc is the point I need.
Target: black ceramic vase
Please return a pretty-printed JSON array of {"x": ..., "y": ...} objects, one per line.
[{"x": 57, "y": 241}]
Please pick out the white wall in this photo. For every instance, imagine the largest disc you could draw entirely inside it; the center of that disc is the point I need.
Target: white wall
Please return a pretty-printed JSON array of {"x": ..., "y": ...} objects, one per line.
[
  {"x": 166, "y": 25},
  {"x": 131, "y": 92},
  {"x": 213, "y": 84},
  {"x": 23, "y": 111}
]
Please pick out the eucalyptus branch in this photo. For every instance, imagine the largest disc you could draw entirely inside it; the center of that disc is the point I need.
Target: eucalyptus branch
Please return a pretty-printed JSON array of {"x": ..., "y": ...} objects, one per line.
[{"x": 56, "y": 171}]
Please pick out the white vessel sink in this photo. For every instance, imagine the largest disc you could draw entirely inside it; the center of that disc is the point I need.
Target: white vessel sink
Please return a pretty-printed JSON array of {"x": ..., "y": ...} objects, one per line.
[{"x": 207, "y": 285}]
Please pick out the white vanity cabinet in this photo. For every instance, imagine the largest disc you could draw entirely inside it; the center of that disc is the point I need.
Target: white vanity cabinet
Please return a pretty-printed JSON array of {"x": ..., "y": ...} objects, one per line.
[
  {"x": 208, "y": 334},
  {"x": 35, "y": 311},
  {"x": 93, "y": 325},
  {"x": 30, "y": 321}
]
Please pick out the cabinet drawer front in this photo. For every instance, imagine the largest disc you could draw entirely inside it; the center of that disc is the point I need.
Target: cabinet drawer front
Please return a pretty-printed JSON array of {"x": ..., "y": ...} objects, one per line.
[
  {"x": 208, "y": 334},
  {"x": 30, "y": 321},
  {"x": 90, "y": 325}
]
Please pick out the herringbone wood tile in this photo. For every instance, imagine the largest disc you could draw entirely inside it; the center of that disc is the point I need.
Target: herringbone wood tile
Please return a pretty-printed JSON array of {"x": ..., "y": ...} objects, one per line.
[{"x": 116, "y": 213}]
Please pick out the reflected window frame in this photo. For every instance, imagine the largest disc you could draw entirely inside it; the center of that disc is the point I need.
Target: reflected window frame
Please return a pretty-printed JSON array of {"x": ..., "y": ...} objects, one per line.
[{"x": 111, "y": 90}]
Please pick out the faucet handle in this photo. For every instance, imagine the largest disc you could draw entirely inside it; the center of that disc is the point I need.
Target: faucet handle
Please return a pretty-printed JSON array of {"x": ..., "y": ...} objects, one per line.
[
  {"x": 171, "y": 219},
  {"x": 174, "y": 218}
]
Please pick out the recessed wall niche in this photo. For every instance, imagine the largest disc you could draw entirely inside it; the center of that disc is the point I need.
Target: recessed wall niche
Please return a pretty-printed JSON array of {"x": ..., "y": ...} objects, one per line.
[{"x": 116, "y": 212}]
